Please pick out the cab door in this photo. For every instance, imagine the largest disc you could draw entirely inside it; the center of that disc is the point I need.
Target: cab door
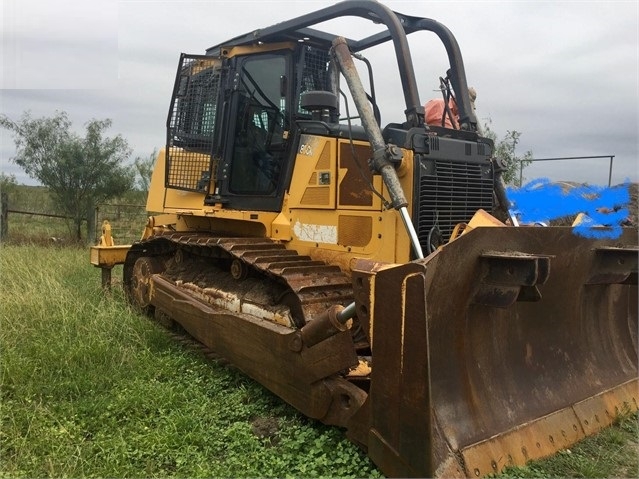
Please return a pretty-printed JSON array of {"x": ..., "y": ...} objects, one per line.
[{"x": 254, "y": 160}]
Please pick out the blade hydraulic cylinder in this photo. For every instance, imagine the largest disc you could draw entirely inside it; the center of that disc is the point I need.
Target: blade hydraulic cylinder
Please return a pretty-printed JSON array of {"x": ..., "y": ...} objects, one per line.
[{"x": 385, "y": 157}]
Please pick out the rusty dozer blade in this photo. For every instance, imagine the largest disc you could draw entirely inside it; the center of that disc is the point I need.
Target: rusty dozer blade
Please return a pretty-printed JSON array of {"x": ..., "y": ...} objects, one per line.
[{"x": 506, "y": 345}]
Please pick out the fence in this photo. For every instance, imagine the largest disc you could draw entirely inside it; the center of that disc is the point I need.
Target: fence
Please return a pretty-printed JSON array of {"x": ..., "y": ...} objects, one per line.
[
  {"x": 127, "y": 221},
  {"x": 4, "y": 214},
  {"x": 32, "y": 225},
  {"x": 611, "y": 157}
]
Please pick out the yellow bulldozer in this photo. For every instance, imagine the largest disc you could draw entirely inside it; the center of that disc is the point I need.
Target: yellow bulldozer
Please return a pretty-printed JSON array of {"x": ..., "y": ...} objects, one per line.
[{"x": 374, "y": 276}]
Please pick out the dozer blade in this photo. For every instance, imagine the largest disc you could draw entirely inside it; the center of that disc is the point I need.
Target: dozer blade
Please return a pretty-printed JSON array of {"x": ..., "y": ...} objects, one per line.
[{"x": 507, "y": 345}]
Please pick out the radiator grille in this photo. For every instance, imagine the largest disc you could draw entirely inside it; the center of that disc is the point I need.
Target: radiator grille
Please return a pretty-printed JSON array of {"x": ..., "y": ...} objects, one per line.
[{"x": 450, "y": 193}]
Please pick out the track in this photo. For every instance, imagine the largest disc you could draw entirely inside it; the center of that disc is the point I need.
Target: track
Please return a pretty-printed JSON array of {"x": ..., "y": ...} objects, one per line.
[{"x": 237, "y": 272}]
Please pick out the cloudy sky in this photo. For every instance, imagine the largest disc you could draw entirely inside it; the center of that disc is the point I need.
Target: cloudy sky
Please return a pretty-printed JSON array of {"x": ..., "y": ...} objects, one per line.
[{"x": 564, "y": 74}]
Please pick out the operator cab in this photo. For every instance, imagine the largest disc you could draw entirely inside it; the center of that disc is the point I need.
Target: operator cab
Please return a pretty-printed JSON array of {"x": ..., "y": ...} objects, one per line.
[
  {"x": 237, "y": 115},
  {"x": 243, "y": 110}
]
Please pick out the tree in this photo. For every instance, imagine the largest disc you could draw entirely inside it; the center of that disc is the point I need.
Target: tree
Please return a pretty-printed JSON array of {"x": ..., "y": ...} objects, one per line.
[
  {"x": 79, "y": 171},
  {"x": 144, "y": 169},
  {"x": 7, "y": 182},
  {"x": 505, "y": 149}
]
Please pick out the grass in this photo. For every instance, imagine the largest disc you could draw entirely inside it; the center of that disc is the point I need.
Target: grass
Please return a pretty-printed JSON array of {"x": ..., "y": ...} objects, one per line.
[
  {"x": 614, "y": 452},
  {"x": 89, "y": 388}
]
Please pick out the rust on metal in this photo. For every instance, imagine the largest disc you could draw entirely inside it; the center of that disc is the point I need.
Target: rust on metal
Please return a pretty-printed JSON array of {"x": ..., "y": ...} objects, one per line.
[
  {"x": 544, "y": 436},
  {"x": 509, "y": 277},
  {"x": 533, "y": 440},
  {"x": 297, "y": 377},
  {"x": 354, "y": 189},
  {"x": 614, "y": 264},
  {"x": 324, "y": 326},
  {"x": 454, "y": 378}
]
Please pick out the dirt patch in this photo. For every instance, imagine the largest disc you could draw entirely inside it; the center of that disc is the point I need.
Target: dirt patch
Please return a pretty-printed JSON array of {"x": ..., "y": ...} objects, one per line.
[{"x": 266, "y": 428}]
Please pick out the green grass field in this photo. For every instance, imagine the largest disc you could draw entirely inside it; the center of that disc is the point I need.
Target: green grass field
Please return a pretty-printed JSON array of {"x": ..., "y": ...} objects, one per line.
[{"x": 90, "y": 388}]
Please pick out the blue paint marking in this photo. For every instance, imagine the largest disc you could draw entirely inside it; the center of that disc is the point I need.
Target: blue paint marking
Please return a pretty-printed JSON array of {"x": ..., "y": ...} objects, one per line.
[{"x": 542, "y": 201}]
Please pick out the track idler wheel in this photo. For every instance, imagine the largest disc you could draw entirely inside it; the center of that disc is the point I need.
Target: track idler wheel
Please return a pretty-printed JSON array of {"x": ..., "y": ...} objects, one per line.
[
  {"x": 143, "y": 269},
  {"x": 239, "y": 270}
]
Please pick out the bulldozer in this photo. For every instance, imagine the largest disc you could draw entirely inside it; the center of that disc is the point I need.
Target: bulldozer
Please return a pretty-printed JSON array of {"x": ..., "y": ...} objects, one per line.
[{"x": 375, "y": 276}]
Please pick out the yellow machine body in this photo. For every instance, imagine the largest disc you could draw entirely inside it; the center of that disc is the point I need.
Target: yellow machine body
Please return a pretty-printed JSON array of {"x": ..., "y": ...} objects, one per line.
[{"x": 335, "y": 221}]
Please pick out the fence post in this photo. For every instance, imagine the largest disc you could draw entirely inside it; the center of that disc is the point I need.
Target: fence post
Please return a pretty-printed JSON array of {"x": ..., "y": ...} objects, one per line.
[
  {"x": 610, "y": 170},
  {"x": 4, "y": 215},
  {"x": 96, "y": 222}
]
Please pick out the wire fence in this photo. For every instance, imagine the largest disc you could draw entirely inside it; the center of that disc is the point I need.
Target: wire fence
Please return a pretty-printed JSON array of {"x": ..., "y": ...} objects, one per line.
[
  {"x": 572, "y": 158},
  {"x": 127, "y": 221},
  {"x": 22, "y": 223},
  {"x": 27, "y": 225}
]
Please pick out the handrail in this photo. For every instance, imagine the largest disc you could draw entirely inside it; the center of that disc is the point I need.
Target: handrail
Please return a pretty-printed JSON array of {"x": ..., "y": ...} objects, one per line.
[{"x": 398, "y": 26}]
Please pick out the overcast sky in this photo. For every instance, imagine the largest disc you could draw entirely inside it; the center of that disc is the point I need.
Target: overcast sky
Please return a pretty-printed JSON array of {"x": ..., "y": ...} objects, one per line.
[{"x": 564, "y": 74}]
